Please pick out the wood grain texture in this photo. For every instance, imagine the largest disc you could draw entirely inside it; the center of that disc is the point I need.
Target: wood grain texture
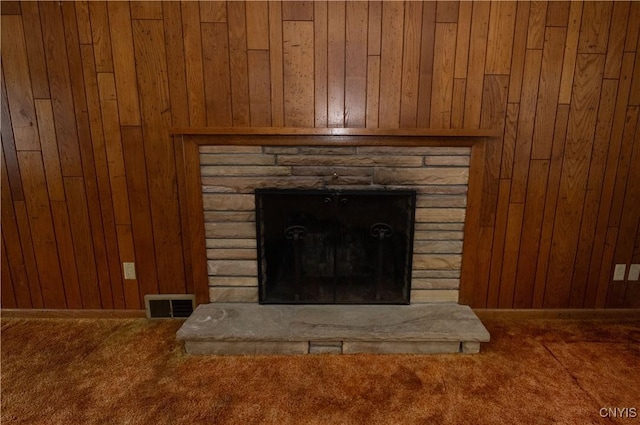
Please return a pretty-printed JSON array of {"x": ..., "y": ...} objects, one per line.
[
  {"x": 391, "y": 64},
  {"x": 123, "y": 62},
  {"x": 91, "y": 92},
  {"x": 356, "y": 64},
  {"x": 336, "y": 30},
  {"x": 18, "y": 85},
  {"x": 215, "y": 41},
  {"x": 298, "y": 56}
]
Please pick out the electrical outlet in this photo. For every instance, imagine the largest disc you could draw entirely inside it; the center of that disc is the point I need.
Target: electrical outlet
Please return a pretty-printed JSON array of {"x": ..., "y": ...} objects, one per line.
[
  {"x": 634, "y": 272},
  {"x": 619, "y": 271},
  {"x": 129, "y": 270}
]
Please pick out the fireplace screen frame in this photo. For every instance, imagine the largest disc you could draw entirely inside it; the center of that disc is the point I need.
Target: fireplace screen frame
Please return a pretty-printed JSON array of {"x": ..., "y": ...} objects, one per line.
[{"x": 390, "y": 282}]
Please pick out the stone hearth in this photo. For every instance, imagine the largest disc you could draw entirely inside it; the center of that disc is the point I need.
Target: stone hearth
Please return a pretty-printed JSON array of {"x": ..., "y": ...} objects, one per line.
[{"x": 335, "y": 329}]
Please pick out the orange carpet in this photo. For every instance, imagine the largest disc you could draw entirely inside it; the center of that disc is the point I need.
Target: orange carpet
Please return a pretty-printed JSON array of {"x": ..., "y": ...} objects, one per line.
[{"x": 110, "y": 371}]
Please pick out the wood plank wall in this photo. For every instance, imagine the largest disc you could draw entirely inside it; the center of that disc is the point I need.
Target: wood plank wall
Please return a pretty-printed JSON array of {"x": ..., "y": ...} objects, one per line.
[{"x": 90, "y": 89}]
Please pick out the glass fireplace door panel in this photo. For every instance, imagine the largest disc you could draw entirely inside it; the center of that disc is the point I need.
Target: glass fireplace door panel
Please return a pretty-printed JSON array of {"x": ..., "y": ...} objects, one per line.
[
  {"x": 347, "y": 247},
  {"x": 374, "y": 242},
  {"x": 297, "y": 262}
]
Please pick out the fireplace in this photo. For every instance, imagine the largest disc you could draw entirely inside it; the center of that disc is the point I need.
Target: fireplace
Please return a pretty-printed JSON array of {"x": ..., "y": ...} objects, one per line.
[
  {"x": 298, "y": 217},
  {"x": 334, "y": 247}
]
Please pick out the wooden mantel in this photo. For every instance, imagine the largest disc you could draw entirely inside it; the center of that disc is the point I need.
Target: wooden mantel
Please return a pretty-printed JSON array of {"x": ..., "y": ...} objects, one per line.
[{"x": 188, "y": 140}]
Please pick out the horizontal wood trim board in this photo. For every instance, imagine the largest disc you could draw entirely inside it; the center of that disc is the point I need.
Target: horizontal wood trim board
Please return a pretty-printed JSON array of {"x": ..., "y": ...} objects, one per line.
[
  {"x": 342, "y": 131},
  {"x": 558, "y": 314},
  {"x": 71, "y": 314}
]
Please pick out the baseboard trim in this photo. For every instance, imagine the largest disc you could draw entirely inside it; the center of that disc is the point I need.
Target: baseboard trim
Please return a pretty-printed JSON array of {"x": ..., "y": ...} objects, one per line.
[
  {"x": 70, "y": 314},
  {"x": 559, "y": 314}
]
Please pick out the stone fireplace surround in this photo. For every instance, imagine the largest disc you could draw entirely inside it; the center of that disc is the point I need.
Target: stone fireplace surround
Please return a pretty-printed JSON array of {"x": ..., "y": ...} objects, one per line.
[{"x": 231, "y": 166}]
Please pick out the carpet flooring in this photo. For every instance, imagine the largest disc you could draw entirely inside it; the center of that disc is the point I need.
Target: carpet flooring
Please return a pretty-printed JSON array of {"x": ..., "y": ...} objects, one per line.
[{"x": 132, "y": 371}]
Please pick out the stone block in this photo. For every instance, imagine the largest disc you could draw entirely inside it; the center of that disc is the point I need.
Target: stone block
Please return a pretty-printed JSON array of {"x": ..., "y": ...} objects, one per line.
[
  {"x": 325, "y": 347},
  {"x": 421, "y": 176},
  {"x": 434, "y": 283},
  {"x": 441, "y": 201},
  {"x": 447, "y": 160},
  {"x": 437, "y": 261},
  {"x": 229, "y": 216},
  {"x": 327, "y": 150},
  {"x": 217, "y": 159},
  {"x": 232, "y": 254},
  {"x": 414, "y": 150},
  {"x": 249, "y": 184},
  {"x": 470, "y": 347},
  {"x": 401, "y": 347},
  {"x": 218, "y": 294},
  {"x": 232, "y": 267},
  {"x": 458, "y": 227},
  {"x": 286, "y": 150},
  {"x": 231, "y": 243},
  {"x": 328, "y": 171},
  {"x": 444, "y": 274},
  {"x": 233, "y": 281},
  {"x": 420, "y": 296},
  {"x": 225, "y": 149},
  {"x": 229, "y": 202},
  {"x": 430, "y": 189},
  {"x": 440, "y": 215},
  {"x": 230, "y": 230},
  {"x": 437, "y": 247},
  {"x": 354, "y": 160},
  {"x": 428, "y": 235},
  {"x": 244, "y": 348},
  {"x": 243, "y": 170}
]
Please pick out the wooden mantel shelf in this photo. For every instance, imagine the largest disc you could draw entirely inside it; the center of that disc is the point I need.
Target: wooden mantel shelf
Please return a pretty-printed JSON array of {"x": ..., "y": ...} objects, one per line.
[
  {"x": 332, "y": 136},
  {"x": 294, "y": 131}
]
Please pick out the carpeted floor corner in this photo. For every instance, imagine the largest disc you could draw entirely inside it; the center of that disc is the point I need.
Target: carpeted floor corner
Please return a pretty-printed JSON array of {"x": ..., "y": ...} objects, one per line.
[{"x": 133, "y": 371}]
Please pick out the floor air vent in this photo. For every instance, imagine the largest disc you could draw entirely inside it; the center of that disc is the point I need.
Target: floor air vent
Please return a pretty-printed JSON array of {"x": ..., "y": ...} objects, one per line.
[{"x": 163, "y": 306}]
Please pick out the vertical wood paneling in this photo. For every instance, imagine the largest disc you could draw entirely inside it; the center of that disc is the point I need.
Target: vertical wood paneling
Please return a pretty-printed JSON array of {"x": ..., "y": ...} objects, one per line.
[
  {"x": 216, "y": 67},
  {"x": 297, "y": 41},
  {"x": 238, "y": 63},
  {"x": 90, "y": 90},
  {"x": 391, "y": 63},
  {"x": 259, "y": 88},
  {"x": 443, "y": 68},
  {"x": 320, "y": 42},
  {"x": 582, "y": 119},
  {"x": 500, "y": 37},
  {"x": 124, "y": 63},
  {"x": 411, "y": 64},
  {"x": 101, "y": 35},
  {"x": 475, "y": 68},
  {"x": 426, "y": 64},
  {"x": 35, "y": 50},
  {"x": 356, "y": 64},
  {"x": 60, "y": 85},
  {"x": 176, "y": 67},
  {"x": 19, "y": 94},
  {"x": 43, "y": 236},
  {"x": 336, "y": 30},
  {"x": 141, "y": 222},
  {"x": 193, "y": 61},
  {"x": 153, "y": 80},
  {"x": 276, "y": 61},
  {"x": 257, "y": 25}
]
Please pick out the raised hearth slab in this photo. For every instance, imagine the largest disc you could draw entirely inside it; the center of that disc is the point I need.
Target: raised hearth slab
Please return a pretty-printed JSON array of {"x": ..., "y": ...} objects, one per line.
[{"x": 302, "y": 329}]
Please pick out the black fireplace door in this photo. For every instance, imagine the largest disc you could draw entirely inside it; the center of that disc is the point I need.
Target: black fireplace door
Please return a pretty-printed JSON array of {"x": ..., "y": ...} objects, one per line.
[{"x": 330, "y": 247}]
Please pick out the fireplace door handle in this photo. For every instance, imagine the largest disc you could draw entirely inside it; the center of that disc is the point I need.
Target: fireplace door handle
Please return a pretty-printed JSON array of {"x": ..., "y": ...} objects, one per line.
[{"x": 344, "y": 202}]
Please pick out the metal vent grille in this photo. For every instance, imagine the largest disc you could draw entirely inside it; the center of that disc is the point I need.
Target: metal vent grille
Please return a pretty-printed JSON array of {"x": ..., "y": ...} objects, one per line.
[{"x": 164, "y": 306}]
